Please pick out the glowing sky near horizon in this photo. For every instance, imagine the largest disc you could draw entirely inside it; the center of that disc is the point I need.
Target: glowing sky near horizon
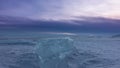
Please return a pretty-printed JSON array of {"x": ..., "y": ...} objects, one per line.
[{"x": 60, "y": 9}]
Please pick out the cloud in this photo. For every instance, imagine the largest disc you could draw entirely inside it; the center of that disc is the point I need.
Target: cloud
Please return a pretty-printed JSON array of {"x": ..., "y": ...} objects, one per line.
[
  {"x": 32, "y": 8},
  {"x": 89, "y": 24},
  {"x": 60, "y": 9}
]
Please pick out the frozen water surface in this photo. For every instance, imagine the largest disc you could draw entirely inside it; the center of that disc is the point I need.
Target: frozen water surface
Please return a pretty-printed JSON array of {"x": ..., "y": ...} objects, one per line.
[{"x": 59, "y": 51}]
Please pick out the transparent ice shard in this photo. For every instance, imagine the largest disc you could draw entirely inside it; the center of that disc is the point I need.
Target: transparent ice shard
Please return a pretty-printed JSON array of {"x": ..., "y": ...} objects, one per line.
[{"x": 54, "y": 52}]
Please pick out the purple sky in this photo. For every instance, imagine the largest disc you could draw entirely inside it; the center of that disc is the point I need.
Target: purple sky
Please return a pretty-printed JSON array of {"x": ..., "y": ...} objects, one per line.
[
  {"x": 60, "y": 9},
  {"x": 67, "y": 14}
]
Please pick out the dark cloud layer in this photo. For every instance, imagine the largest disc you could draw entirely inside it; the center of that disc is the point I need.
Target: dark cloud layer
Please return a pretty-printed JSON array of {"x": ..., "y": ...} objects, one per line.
[{"x": 88, "y": 25}]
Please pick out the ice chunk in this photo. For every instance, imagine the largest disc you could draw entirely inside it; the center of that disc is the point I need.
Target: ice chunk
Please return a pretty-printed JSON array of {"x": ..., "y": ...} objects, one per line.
[{"x": 54, "y": 51}]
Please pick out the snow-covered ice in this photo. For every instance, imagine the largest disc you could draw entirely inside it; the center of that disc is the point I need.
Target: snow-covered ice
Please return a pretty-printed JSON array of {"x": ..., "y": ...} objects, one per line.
[{"x": 61, "y": 51}]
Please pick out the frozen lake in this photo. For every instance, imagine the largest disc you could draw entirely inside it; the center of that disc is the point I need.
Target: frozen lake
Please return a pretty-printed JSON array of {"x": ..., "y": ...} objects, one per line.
[{"x": 59, "y": 51}]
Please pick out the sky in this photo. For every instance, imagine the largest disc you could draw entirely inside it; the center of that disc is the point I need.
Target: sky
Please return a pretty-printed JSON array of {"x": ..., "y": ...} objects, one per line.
[
  {"x": 69, "y": 12},
  {"x": 60, "y": 9}
]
